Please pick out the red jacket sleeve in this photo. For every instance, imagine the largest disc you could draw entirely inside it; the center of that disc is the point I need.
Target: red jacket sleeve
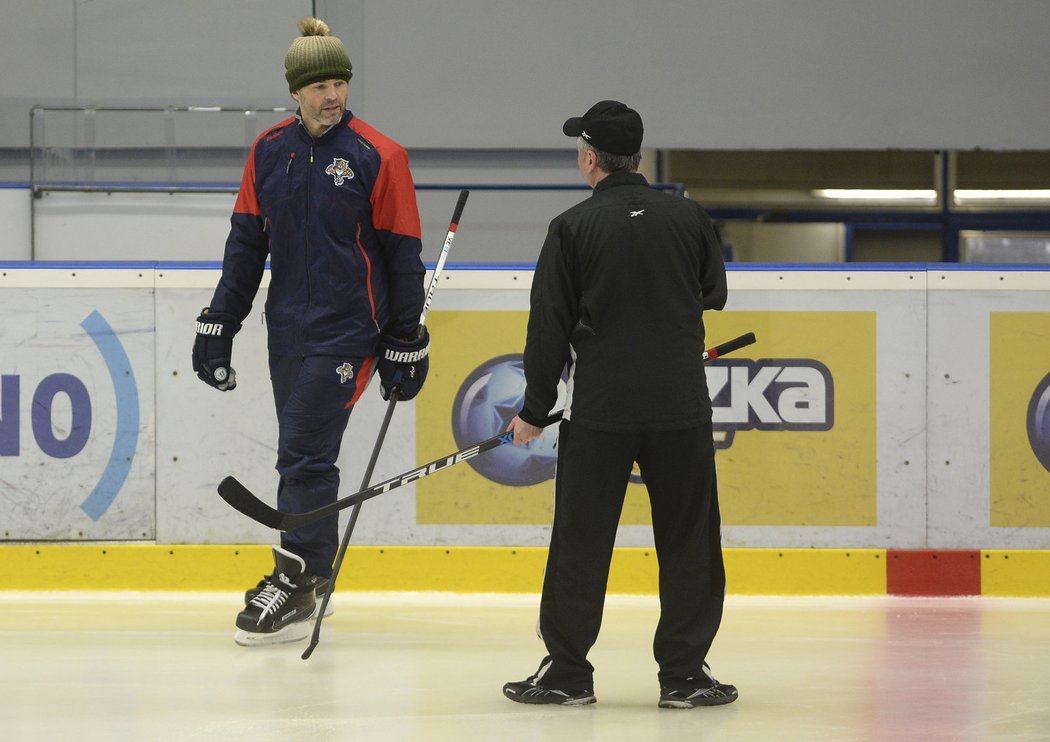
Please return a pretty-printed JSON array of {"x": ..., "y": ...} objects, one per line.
[
  {"x": 395, "y": 217},
  {"x": 244, "y": 259}
]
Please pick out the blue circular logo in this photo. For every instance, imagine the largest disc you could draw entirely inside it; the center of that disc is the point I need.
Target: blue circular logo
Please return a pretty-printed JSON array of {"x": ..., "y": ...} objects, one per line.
[
  {"x": 1039, "y": 422},
  {"x": 489, "y": 398}
]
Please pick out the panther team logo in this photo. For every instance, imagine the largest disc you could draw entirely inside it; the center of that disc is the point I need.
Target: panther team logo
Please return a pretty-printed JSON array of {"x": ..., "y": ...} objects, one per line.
[{"x": 339, "y": 170}]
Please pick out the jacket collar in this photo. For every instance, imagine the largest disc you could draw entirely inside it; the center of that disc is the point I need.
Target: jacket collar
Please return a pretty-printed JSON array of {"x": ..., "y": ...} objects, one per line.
[
  {"x": 344, "y": 121},
  {"x": 620, "y": 179}
]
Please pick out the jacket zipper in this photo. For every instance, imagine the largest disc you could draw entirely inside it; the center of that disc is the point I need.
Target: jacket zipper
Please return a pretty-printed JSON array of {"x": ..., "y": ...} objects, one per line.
[{"x": 306, "y": 240}]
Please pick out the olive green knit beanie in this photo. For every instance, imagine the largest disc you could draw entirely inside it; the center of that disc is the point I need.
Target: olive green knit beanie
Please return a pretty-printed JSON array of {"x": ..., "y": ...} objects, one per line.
[{"x": 315, "y": 55}]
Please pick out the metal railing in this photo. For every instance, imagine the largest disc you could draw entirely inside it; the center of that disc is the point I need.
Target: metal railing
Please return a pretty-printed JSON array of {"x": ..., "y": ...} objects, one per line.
[{"x": 138, "y": 149}]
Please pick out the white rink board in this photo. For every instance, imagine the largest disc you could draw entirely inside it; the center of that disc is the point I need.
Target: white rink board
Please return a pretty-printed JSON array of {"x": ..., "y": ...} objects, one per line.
[
  {"x": 931, "y": 376},
  {"x": 77, "y": 418},
  {"x": 962, "y": 420}
]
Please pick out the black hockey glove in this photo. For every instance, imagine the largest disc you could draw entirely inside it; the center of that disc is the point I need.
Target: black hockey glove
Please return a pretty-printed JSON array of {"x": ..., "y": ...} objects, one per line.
[
  {"x": 403, "y": 364},
  {"x": 213, "y": 349}
]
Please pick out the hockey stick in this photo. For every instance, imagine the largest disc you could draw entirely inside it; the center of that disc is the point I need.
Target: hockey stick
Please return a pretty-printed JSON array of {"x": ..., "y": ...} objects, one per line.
[
  {"x": 729, "y": 346},
  {"x": 242, "y": 500},
  {"x": 316, "y": 636},
  {"x": 452, "y": 227}
]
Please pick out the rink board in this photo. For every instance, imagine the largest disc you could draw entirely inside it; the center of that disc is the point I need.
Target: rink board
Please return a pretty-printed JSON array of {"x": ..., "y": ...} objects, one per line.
[{"x": 883, "y": 407}]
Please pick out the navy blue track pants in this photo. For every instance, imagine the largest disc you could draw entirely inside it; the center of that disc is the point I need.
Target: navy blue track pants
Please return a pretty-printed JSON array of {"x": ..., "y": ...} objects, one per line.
[{"x": 314, "y": 397}]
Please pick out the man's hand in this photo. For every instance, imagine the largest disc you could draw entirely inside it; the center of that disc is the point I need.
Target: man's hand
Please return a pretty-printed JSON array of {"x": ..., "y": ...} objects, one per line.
[
  {"x": 523, "y": 431},
  {"x": 213, "y": 350},
  {"x": 403, "y": 364}
]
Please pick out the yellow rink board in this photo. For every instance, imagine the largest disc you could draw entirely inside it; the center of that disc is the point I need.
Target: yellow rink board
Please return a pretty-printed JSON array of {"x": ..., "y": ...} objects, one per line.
[
  {"x": 62, "y": 566},
  {"x": 1015, "y": 573}
]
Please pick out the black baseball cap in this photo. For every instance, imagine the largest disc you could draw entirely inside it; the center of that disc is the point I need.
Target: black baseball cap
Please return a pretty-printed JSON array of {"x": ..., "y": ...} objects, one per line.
[{"x": 609, "y": 126}]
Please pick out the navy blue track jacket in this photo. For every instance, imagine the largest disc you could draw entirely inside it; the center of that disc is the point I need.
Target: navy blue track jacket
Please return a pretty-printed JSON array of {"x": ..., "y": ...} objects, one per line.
[{"x": 337, "y": 216}]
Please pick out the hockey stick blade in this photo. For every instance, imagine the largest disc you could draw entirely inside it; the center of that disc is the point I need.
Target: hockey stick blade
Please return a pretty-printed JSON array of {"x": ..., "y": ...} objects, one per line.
[{"x": 241, "y": 499}]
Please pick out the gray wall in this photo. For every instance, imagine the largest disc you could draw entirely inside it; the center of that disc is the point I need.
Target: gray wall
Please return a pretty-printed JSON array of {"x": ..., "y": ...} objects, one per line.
[{"x": 765, "y": 74}]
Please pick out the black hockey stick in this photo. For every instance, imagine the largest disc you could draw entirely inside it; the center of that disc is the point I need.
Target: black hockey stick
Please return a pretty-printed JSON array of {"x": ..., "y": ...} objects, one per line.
[
  {"x": 242, "y": 500},
  {"x": 729, "y": 346},
  {"x": 316, "y": 636}
]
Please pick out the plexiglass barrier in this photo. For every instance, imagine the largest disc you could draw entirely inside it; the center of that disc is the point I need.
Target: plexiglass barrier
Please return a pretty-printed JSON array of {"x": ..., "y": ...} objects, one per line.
[{"x": 143, "y": 149}]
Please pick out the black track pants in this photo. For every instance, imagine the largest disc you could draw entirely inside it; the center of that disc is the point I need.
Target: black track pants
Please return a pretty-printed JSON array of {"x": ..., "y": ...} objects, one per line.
[{"x": 592, "y": 476}]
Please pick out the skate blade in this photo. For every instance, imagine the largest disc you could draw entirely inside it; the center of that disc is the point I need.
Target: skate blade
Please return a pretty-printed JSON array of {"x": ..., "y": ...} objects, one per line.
[{"x": 292, "y": 633}]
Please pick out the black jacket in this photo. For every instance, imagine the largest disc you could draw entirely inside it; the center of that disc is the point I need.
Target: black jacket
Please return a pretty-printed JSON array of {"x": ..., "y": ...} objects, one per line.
[{"x": 619, "y": 290}]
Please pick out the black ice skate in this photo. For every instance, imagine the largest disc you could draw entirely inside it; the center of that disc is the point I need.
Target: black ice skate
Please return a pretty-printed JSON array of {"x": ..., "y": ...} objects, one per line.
[
  {"x": 280, "y": 611},
  {"x": 320, "y": 585}
]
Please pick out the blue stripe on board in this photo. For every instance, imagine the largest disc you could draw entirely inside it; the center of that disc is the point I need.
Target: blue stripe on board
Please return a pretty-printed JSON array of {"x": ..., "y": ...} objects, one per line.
[{"x": 125, "y": 441}]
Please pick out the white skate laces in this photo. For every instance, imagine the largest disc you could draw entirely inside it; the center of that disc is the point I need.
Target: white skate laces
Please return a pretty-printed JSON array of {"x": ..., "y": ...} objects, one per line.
[{"x": 271, "y": 597}]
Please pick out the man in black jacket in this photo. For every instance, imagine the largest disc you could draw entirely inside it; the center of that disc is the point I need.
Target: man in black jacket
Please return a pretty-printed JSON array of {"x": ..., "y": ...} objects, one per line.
[{"x": 619, "y": 292}]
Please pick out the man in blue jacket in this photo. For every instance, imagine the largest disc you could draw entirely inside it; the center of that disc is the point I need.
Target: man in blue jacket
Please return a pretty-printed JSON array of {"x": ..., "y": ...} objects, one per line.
[{"x": 330, "y": 201}]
